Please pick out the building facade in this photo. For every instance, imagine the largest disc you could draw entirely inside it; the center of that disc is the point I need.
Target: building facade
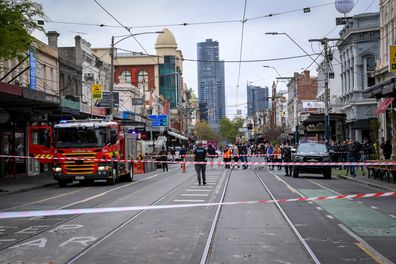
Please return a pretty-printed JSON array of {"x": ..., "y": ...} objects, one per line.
[
  {"x": 257, "y": 99},
  {"x": 359, "y": 50},
  {"x": 211, "y": 88},
  {"x": 384, "y": 89},
  {"x": 301, "y": 87}
]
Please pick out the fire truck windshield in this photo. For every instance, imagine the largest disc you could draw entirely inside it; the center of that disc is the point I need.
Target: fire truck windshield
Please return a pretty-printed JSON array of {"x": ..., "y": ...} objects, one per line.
[{"x": 83, "y": 137}]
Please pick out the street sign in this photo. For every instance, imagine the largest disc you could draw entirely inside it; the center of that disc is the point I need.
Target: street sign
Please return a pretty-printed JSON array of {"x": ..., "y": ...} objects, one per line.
[
  {"x": 96, "y": 91},
  {"x": 342, "y": 20},
  {"x": 392, "y": 58},
  {"x": 158, "y": 120},
  {"x": 137, "y": 101}
]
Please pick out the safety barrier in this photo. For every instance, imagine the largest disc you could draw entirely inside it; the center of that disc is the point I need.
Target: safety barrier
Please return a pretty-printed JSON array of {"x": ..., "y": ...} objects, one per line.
[
  {"x": 250, "y": 163},
  {"x": 21, "y": 214}
]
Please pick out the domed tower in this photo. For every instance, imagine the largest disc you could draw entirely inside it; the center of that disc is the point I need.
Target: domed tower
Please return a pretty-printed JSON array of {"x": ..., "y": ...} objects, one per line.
[{"x": 170, "y": 67}]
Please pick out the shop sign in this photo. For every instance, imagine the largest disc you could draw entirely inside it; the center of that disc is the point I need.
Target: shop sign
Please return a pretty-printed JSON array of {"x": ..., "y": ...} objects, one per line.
[
  {"x": 70, "y": 104},
  {"x": 99, "y": 111},
  {"x": 392, "y": 58},
  {"x": 84, "y": 108}
]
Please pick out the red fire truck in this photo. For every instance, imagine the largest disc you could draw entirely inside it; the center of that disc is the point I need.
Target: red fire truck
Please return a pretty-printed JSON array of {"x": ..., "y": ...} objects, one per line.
[{"x": 87, "y": 150}]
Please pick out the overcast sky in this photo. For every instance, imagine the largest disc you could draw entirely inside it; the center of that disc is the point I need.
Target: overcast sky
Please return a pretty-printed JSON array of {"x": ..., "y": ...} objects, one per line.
[{"x": 152, "y": 15}]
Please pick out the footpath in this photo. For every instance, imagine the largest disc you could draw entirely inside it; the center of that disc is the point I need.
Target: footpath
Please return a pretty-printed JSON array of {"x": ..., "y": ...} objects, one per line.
[{"x": 11, "y": 185}]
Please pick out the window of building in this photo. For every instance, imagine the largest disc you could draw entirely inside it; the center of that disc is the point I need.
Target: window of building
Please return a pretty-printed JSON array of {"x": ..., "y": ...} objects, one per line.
[
  {"x": 125, "y": 77},
  {"x": 142, "y": 80}
]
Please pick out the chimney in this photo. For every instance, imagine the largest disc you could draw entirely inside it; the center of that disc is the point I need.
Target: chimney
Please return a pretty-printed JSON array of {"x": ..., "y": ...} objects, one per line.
[{"x": 53, "y": 39}]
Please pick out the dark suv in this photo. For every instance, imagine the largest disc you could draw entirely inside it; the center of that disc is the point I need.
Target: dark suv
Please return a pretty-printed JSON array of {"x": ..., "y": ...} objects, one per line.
[{"x": 312, "y": 152}]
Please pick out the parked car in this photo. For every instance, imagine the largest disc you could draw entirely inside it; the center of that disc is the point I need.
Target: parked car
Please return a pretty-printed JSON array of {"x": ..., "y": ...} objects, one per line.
[{"x": 312, "y": 152}]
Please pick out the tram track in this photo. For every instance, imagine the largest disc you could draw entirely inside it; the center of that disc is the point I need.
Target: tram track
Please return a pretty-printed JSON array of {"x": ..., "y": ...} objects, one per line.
[
  {"x": 212, "y": 233},
  {"x": 100, "y": 195},
  {"x": 124, "y": 223}
]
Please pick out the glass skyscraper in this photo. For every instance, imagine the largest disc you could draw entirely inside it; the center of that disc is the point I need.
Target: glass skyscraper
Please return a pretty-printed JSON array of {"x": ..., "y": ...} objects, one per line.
[
  {"x": 257, "y": 99},
  {"x": 211, "y": 90}
]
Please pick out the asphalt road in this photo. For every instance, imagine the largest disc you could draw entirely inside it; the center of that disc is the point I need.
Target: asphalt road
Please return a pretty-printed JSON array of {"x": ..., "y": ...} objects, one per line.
[{"x": 336, "y": 231}]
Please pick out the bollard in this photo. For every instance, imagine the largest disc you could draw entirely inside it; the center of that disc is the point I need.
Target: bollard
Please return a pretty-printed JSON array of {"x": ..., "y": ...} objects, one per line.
[{"x": 184, "y": 165}]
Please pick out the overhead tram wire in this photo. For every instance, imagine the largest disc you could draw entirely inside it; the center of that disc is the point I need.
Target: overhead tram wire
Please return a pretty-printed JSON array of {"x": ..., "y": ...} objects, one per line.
[
  {"x": 229, "y": 61},
  {"x": 240, "y": 51},
  {"x": 186, "y": 23},
  {"x": 127, "y": 29}
]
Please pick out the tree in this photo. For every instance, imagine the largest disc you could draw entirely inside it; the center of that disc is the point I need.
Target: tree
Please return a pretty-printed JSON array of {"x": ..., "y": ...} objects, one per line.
[
  {"x": 274, "y": 135},
  {"x": 203, "y": 131},
  {"x": 16, "y": 24},
  {"x": 229, "y": 130}
]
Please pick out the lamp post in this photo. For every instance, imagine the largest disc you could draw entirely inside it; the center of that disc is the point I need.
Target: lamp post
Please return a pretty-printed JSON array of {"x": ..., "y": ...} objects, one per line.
[{"x": 124, "y": 37}]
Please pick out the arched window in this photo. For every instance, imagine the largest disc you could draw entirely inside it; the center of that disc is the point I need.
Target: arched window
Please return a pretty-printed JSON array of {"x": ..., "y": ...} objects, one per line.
[
  {"x": 143, "y": 80},
  {"x": 125, "y": 77}
]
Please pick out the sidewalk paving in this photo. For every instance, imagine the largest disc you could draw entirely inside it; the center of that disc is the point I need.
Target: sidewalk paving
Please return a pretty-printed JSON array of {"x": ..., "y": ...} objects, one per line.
[
  {"x": 24, "y": 183},
  {"x": 384, "y": 186}
]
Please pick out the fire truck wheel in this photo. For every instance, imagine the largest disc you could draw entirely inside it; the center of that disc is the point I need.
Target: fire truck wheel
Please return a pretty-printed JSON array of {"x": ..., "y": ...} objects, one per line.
[
  {"x": 62, "y": 183},
  {"x": 129, "y": 176},
  {"x": 113, "y": 179}
]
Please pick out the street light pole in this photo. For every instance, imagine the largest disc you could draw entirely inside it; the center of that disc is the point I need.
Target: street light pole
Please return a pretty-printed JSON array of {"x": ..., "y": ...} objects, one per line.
[
  {"x": 328, "y": 58},
  {"x": 111, "y": 109},
  {"x": 112, "y": 76}
]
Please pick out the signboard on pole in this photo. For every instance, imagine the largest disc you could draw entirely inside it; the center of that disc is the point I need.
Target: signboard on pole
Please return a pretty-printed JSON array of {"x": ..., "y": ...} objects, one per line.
[
  {"x": 96, "y": 91},
  {"x": 392, "y": 58},
  {"x": 313, "y": 104},
  {"x": 137, "y": 101},
  {"x": 32, "y": 69},
  {"x": 158, "y": 120},
  {"x": 105, "y": 102}
]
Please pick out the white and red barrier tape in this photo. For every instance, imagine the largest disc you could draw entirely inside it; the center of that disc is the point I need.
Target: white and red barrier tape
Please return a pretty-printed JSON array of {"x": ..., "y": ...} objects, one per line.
[
  {"x": 21, "y": 214},
  {"x": 250, "y": 163}
]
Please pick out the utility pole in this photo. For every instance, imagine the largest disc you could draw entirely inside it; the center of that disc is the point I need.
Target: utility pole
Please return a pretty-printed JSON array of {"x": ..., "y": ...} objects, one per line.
[
  {"x": 328, "y": 58},
  {"x": 112, "y": 76},
  {"x": 295, "y": 104}
]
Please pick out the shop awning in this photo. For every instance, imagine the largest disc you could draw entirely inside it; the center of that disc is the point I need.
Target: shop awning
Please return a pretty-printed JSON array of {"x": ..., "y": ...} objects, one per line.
[
  {"x": 384, "y": 105},
  {"x": 177, "y": 135}
]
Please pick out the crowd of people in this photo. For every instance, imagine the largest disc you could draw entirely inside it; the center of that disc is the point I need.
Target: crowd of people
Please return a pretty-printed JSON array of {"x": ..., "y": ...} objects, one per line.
[{"x": 346, "y": 151}]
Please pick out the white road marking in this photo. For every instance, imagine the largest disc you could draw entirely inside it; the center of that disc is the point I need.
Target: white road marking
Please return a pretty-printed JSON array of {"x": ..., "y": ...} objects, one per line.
[
  {"x": 319, "y": 208},
  {"x": 310, "y": 202},
  {"x": 197, "y": 190},
  {"x": 374, "y": 207},
  {"x": 190, "y": 201},
  {"x": 393, "y": 216},
  {"x": 195, "y": 194},
  {"x": 330, "y": 216}
]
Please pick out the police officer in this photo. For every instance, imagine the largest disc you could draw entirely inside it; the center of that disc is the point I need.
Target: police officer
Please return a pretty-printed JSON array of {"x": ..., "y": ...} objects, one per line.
[{"x": 200, "y": 156}]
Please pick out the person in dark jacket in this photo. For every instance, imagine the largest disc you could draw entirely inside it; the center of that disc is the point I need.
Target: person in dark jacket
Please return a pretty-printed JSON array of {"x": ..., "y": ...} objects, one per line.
[
  {"x": 211, "y": 153},
  {"x": 387, "y": 149},
  {"x": 200, "y": 156},
  {"x": 164, "y": 159},
  {"x": 352, "y": 149},
  {"x": 183, "y": 155},
  {"x": 287, "y": 155}
]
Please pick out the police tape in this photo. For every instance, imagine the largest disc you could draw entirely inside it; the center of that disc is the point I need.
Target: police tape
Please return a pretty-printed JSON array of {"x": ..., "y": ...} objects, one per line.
[
  {"x": 234, "y": 163},
  {"x": 42, "y": 213}
]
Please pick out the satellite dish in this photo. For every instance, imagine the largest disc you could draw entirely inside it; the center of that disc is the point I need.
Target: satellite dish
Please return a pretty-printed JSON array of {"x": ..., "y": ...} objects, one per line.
[{"x": 344, "y": 6}]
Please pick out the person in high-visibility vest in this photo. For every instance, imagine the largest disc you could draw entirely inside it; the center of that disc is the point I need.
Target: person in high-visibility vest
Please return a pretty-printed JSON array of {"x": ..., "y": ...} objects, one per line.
[{"x": 227, "y": 156}]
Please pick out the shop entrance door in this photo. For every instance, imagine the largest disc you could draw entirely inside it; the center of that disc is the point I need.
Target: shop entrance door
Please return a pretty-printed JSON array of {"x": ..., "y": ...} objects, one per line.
[{"x": 7, "y": 148}]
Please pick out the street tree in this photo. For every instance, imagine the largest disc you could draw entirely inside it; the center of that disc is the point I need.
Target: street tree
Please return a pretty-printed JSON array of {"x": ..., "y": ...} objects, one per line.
[
  {"x": 202, "y": 131},
  {"x": 17, "y": 22},
  {"x": 229, "y": 129}
]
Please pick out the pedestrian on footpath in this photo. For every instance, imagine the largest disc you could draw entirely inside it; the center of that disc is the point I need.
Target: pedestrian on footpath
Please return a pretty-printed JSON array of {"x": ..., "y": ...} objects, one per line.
[
  {"x": 200, "y": 156},
  {"x": 164, "y": 159},
  {"x": 352, "y": 157}
]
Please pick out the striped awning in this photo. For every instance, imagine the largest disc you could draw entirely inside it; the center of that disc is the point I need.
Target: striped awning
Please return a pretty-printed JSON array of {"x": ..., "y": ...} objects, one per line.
[{"x": 384, "y": 105}]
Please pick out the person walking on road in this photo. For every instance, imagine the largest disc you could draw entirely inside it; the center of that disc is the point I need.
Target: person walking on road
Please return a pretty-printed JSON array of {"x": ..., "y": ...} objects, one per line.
[
  {"x": 387, "y": 149},
  {"x": 352, "y": 156},
  {"x": 164, "y": 159},
  {"x": 286, "y": 152},
  {"x": 200, "y": 156},
  {"x": 183, "y": 155},
  {"x": 212, "y": 154}
]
